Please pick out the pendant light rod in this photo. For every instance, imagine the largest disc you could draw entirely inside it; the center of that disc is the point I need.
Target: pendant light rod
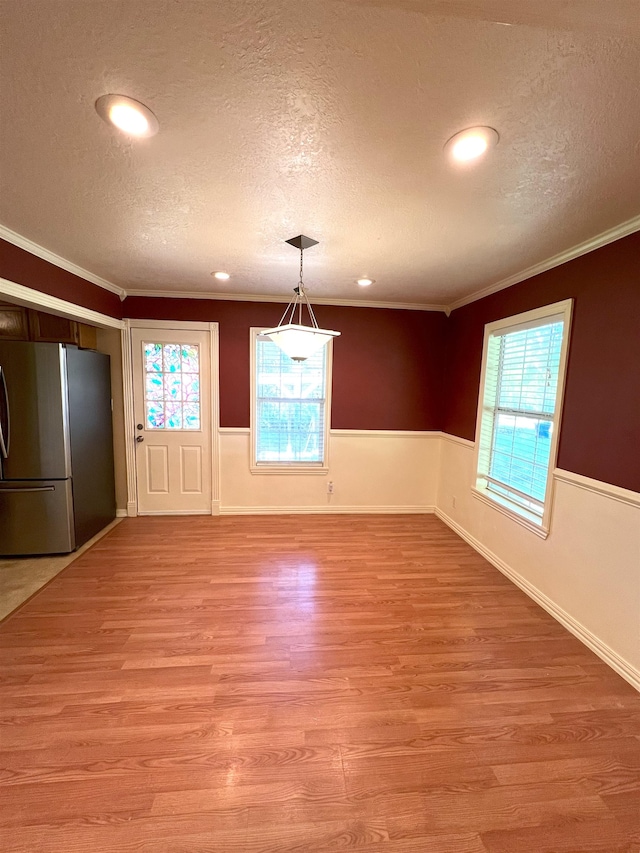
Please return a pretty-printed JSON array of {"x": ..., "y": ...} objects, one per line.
[
  {"x": 298, "y": 301},
  {"x": 295, "y": 339}
]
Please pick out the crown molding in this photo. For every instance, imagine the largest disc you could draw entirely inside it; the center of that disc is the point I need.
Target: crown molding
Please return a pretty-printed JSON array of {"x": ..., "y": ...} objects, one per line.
[
  {"x": 610, "y": 236},
  {"x": 259, "y": 297},
  {"x": 39, "y": 251},
  {"x": 597, "y": 242}
]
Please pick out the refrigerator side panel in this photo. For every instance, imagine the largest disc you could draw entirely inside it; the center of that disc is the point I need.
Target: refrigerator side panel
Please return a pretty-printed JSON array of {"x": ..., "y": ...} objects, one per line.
[
  {"x": 38, "y": 439},
  {"x": 91, "y": 436},
  {"x": 36, "y": 517}
]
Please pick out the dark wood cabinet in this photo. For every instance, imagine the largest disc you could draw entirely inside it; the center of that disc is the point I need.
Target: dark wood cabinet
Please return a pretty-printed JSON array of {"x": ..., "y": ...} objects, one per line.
[
  {"x": 14, "y": 322},
  {"x": 87, "y": 336},
  {"x": 48, "y": 327},
  {"x": 25, "y": 324}
]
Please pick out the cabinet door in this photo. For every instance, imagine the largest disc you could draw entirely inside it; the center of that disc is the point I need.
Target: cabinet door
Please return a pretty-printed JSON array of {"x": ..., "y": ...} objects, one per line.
[
  {"x": 52, "y": 329},
  {"x": 14, "y": 325},
  {"x": 87, "y": 336}
]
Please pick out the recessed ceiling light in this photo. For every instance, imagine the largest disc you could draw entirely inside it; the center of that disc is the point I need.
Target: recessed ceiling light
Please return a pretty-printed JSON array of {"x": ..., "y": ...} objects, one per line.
[
  {"x": 128, "y": 115},
  {"x": 365, "y": 282},
  {"x": 471, "y": 143},
  {"x": 221, "y": 276}
]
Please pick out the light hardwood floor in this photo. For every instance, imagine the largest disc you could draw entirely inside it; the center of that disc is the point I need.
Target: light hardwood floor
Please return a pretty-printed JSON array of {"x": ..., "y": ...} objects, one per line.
[
  {"x": 307, "y": 683},
  {"x": 20, "y": 577}
]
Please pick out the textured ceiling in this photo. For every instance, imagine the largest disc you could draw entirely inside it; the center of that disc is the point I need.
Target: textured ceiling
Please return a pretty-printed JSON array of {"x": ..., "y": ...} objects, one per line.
[{"x": 326, "y": 118}]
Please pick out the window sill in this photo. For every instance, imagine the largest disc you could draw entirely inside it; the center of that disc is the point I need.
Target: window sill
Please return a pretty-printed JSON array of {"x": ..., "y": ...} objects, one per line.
[
  {"x": 526, "y": 519},
  {"x": 285, "y": 468}
]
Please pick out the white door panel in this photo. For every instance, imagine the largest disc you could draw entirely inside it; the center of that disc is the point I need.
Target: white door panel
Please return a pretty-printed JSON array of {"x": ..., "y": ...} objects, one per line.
[
  {"x": 157, "y": 465},
  {"x": 191, "y": 470},
  {"x": 172, "y": 405}
]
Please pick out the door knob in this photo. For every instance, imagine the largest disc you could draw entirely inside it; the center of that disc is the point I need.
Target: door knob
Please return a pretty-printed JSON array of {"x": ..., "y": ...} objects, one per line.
[{"x": 139, "y": 438}]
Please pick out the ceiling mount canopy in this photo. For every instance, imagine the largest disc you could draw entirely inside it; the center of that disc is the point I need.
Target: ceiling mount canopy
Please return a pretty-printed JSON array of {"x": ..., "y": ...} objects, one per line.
[
  {"x": 295, "y": 339},
  {"x": 301, "y": 242}
]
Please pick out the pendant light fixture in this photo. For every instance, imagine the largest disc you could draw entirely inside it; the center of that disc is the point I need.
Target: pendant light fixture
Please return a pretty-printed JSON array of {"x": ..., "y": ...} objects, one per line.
[{"x": 293, "y": 338}]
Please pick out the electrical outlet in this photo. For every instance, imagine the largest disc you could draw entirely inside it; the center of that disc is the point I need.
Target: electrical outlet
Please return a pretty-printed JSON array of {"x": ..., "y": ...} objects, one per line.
[
  {"x": 453, "y": 502},
  {"x": 329, "y": 488}
]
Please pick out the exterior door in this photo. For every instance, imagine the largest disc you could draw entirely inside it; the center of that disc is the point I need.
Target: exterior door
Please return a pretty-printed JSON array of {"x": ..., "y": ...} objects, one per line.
[{"x": 172, "y": 407}]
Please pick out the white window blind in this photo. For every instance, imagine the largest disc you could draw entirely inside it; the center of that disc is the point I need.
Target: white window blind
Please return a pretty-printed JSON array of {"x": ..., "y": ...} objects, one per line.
[
  {"x": 519, "y": 412},
  {"x": 290, "y": 406}
]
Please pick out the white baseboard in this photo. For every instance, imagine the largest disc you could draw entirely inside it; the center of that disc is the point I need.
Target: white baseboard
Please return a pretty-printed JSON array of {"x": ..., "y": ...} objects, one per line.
[
  {"x": 607, "y": 654},
  {"x": 331, "y": 510},
  {"x": 176, "y": 513},
  {"x": 132, "y": 509},
  {"x": 217, "y": 509}
]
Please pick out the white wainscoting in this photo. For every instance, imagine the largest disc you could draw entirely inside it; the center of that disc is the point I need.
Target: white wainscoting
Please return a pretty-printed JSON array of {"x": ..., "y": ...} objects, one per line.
[
  {"x": 371, "y": 471},
  {"x": 586, "y": 573}
]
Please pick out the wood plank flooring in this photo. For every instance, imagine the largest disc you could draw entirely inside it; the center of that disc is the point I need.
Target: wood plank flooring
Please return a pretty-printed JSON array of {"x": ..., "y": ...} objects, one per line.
[
  {"x": 21, "y": 577},
  {"x": 308, "y": 683}
]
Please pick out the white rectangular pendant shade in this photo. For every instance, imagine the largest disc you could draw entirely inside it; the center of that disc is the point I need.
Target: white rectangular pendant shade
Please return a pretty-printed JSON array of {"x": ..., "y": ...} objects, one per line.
[{"x": 299, "y": 342}]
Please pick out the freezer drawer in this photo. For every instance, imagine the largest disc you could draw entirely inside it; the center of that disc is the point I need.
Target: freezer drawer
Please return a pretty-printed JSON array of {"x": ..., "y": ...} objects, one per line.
[{"x": 36, "y": 517}]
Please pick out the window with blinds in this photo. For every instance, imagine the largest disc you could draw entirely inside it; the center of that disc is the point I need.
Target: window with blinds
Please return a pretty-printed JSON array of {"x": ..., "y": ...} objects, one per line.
[
  {"x": 520, "y": 410},
  {"x": 289, "y": 406}
]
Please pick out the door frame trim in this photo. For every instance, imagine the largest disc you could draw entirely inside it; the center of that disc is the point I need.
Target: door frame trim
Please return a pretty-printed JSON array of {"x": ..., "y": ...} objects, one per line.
[{"x": 129, "y": 419}]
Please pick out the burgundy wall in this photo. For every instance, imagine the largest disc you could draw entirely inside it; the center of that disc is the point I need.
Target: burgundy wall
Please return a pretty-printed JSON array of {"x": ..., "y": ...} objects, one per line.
[
  {"x": 419, "y": 370},
  {"x": 600, "y": 435},
  {"x": 21, "y": 267},
  {"x": 388, "y": 364}
]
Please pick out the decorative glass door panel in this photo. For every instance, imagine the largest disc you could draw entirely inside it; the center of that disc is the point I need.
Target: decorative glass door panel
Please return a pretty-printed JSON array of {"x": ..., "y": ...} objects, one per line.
[{"x": 172, "y": 385}]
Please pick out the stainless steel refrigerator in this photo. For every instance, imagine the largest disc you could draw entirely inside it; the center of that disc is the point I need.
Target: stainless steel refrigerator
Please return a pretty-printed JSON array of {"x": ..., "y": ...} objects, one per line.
[{"x": 56, "y": 448}]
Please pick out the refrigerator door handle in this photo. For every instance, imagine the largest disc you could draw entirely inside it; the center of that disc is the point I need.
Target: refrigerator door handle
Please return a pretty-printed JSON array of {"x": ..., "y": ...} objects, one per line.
[
  {"x": 27, "y": 489},
  {"x": 5, "y": 422}
]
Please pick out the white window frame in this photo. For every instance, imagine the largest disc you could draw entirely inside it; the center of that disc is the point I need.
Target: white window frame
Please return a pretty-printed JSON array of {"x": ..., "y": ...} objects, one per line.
[
  {"x": 289, "y": 467},
  {"x": 520, "y": 322}
]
